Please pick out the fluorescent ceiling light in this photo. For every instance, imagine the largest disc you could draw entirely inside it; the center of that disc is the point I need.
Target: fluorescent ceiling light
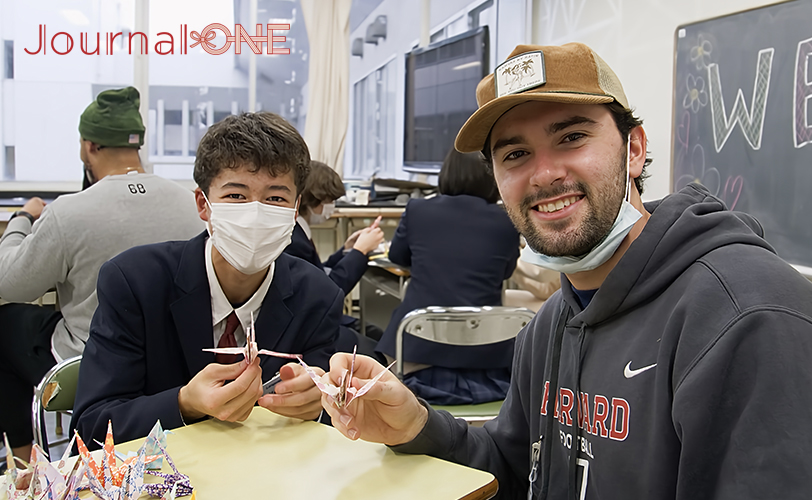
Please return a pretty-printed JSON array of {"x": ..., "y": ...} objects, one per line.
[{"x": 467, "y": 65}]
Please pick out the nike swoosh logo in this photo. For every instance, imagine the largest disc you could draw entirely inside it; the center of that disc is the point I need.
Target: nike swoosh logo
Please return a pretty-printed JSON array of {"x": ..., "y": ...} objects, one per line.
[{"x": 629, "y": 373}]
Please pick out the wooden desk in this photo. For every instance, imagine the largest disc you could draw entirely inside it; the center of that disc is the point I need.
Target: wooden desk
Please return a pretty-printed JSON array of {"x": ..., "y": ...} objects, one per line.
[{"x": 269, "y": 456}]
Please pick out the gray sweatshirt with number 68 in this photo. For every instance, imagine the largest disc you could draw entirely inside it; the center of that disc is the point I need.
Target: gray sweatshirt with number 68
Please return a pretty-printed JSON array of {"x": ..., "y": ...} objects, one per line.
[{"x": 77, "y": 233}]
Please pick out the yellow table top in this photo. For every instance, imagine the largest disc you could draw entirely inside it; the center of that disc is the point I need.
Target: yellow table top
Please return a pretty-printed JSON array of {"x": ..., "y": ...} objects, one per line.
[{"x": 269, "y": 456}]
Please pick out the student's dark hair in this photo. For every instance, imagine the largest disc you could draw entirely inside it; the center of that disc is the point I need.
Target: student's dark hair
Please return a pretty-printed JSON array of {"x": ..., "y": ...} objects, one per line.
[
  {"x": 625, "y": 121},
  {"x": 323, "y": 185},
  {"x": 261, "y": 140},
  {"x": 467, "y": 173}
]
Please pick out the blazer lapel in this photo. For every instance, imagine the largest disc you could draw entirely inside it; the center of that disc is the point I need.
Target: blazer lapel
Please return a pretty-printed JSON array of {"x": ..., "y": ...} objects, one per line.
[
  {"x": 274, "y": 315},
  {"x": 192, "y": 311}
]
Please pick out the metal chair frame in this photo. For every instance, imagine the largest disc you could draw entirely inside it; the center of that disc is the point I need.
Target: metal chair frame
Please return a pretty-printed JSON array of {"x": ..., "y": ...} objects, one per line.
[
  {"x": 462, "y": 326},
  {"x": 61, "y": 402}
]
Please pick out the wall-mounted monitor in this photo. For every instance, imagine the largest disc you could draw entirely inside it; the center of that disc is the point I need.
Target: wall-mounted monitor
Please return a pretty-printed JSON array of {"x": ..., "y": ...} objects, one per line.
[{"x": 441, "y": 82}]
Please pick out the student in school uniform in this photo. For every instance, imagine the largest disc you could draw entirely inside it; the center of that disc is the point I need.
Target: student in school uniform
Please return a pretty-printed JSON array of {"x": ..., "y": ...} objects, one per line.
[
  {"x": 161, "y": 305},
  {"x": 62, "y": 246},
  {"x": 347, "y": 264},
  {"x": 460, "y": 246}
]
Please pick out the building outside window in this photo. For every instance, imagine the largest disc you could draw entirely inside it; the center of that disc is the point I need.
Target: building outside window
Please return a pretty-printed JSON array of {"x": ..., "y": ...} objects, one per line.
[{"x": 44, "y": 93}]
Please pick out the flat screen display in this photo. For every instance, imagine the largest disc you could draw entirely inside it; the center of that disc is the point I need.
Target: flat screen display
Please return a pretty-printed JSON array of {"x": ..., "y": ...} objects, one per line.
[{"x": 441, "y": 82}]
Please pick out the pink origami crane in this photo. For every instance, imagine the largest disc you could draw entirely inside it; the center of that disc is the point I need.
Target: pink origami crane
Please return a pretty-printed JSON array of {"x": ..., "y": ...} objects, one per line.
[
  {"x": 250, "y": 350},
  {"x": 344, "y": 394},
  {"x": 39, "y": 479}
]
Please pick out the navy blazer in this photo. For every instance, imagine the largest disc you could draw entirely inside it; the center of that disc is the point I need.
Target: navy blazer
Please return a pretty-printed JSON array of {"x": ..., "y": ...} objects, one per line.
[
  {"x": 459, "y": 250},
  {"x": 346, "y": 269},
  {"x": 154, "y": 320}
]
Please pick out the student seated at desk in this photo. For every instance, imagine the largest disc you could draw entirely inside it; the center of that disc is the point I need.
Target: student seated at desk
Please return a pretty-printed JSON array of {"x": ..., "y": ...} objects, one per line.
[
  {"x": 460, "y": 247},
  {"x": 161, "y": 305},
  {"x": 62, "y": 246},
  {"x": 344, "y": 267},
  {"x": 348, "y": 263}
]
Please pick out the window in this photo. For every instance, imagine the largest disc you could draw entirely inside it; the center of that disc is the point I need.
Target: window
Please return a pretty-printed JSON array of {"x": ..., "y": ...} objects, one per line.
[
  {"x": 8, "y": 59},
  {"x": 187, "y": 94},
  {"x": 374, "y": 124},
  {"x": 183, "y": 107},
  {"x": 8, "y": 164}
]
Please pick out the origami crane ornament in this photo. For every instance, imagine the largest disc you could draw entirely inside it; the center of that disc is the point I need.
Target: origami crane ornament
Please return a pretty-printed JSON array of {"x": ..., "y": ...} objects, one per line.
[
  {"x": 38, "y": 479},
  {"x": 174, "y": 485},
  {"x": 250, "y": 351},
  {"x": 112, "y": 481},
  {"x": 343, "y": 394}
]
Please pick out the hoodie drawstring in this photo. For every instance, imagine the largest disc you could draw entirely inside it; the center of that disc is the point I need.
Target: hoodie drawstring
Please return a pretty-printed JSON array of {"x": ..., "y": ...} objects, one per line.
[
  {"x": 558, "y": 337},
  {"x": 576, "y": 427}
]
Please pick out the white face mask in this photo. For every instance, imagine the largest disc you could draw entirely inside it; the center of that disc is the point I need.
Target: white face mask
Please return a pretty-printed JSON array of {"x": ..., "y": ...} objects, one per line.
[
  {"x": 250, "y": 236},
  {"x": 326, "y": 211},
  {"x": 626, "y": 218}
]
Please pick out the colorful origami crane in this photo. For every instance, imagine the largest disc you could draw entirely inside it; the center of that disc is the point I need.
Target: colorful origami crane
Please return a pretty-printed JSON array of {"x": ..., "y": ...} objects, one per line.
[
  {"x": 174, "y": 485},
  {"x": 111, "y": 481},
  {"x": 343, "y": 394},
  {"x": 39, "y": 479},
  {"x": 250, "y": 351}
]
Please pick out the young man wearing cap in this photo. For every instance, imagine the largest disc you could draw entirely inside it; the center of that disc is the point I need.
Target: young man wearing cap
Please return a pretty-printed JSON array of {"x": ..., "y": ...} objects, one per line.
[
  {"x": 673, "y": 363},
  {"x": 62, "y": 246},
  {"x": 161, "y": 305}
]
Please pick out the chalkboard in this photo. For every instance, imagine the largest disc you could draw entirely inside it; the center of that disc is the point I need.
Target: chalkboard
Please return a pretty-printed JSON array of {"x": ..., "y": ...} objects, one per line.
[{"x": 742, "y": 120}]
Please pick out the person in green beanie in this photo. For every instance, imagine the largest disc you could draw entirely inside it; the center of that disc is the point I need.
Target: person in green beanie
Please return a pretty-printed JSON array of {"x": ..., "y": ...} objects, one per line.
[
  {"x": 62, "y": 246},
  {"x": 112, "y": 123}
]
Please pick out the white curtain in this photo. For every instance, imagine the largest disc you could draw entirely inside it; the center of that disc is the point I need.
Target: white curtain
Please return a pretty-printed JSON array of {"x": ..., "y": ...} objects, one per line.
[{"x": 328, "y": 31}]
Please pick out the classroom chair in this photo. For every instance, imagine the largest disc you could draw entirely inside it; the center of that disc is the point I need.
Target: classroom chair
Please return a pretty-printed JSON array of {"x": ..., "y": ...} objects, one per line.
[
  {"x": 55, "y": 392},
  {"x": 463, "y": 326}
]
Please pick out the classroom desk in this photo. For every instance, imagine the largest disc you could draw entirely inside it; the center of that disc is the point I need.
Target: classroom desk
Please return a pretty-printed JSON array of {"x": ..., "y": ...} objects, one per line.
[
  {"x": 380, "y": 291},
  {"x": 365, "y": 214},
  {"x": 269, "y": 456}
]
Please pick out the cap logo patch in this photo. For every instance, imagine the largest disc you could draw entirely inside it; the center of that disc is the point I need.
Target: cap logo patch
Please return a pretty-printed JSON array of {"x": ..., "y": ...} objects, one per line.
[
  {"x": 134, "y": 139},
  {"x": 520, "y": 73}
]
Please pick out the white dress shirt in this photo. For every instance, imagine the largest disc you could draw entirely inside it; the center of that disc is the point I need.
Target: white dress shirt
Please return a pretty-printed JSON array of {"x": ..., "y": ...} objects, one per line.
[{"x": 221, "y": 307}]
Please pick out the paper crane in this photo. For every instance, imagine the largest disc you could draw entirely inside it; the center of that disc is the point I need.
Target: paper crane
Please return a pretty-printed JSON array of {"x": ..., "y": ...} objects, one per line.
[
  {"x": 112, "y": 481},
  {"x": 250, "y": 351},
  {"x": 39, "y": 479},
  {"x": 343, "y": 394},
  {"x": 175, "y": 484}
]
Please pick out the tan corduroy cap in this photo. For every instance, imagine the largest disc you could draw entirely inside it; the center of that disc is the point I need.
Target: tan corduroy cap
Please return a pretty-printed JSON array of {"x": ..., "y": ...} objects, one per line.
[{"x": 570, "y": 73}]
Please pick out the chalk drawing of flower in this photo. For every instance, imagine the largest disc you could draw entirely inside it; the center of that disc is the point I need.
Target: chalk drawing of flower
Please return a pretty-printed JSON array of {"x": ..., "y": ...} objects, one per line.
[
  {"x": 701, "y": 53},
  {"x": 709, "y": 178},
  {"x": 696, "y": 96}
]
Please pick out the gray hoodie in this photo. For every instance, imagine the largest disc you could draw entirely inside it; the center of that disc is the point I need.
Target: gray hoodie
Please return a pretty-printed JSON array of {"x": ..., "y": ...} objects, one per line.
[{"x": 692, "y": 370}]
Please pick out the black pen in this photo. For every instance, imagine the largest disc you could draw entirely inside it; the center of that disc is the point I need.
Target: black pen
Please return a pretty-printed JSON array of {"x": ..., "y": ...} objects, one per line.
[{"x": 268, "y": 387}]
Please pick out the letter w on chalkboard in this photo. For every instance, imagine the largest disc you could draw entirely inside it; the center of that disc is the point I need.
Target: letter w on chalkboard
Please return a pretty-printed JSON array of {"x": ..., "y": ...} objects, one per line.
[{"x": 752, "y": 124}]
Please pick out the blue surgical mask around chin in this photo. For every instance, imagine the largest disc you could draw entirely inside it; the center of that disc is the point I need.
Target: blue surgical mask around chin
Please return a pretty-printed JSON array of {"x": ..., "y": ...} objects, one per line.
[{"x": 626, "y": 218}]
